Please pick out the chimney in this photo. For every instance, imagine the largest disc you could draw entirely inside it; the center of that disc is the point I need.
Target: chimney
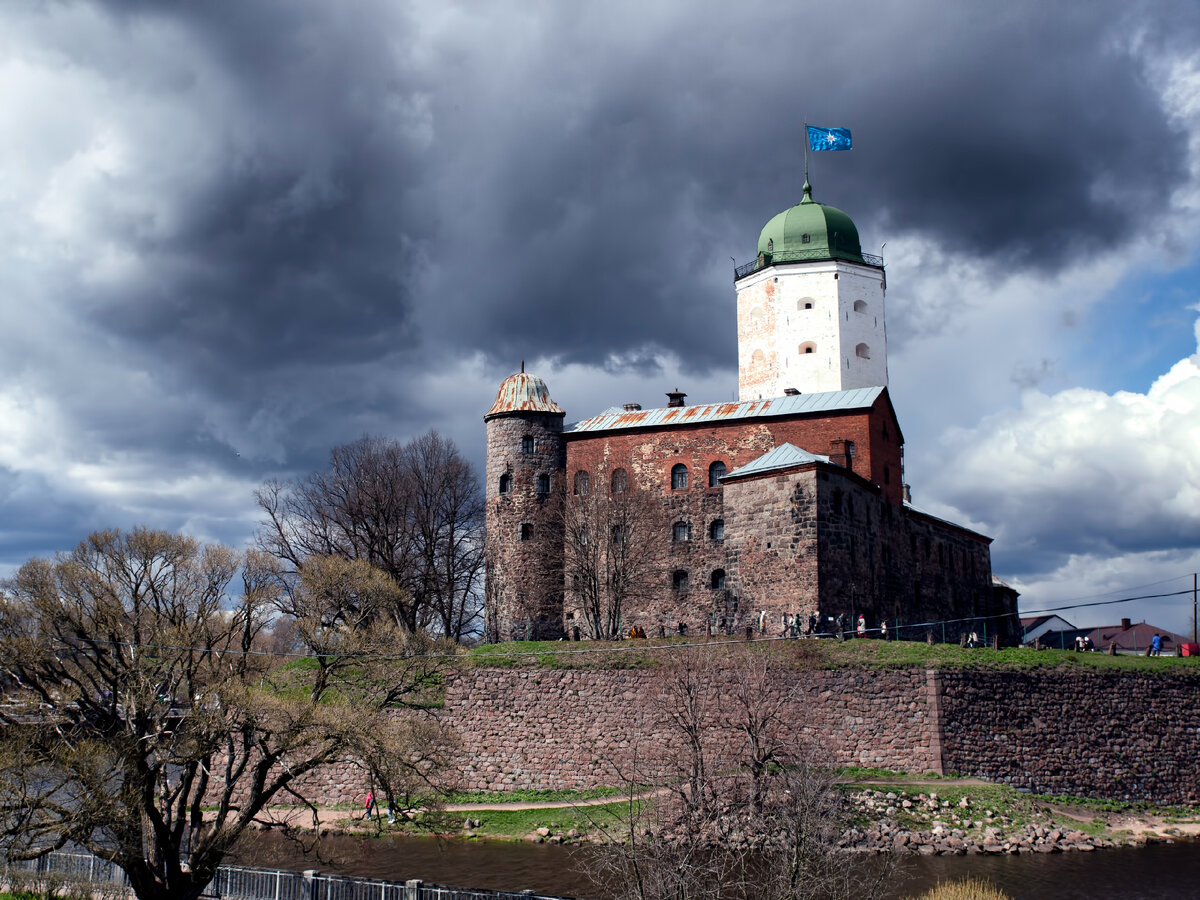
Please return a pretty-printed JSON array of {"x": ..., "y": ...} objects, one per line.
[
  {"x": 841, "y": 453},
  {"x": 791, "y": 392},
  {"x": 632, "y": 407},
  {"x": 1126, "y": 624},
  {"x": 675, "y": 398},
  {"x": 907, "y": 493}
]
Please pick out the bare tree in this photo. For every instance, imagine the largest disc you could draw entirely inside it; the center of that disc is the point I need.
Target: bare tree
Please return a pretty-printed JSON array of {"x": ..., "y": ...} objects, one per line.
[
  {"x": 726, "y": 799},
  {"x": 449, "y": 525},
  {"x": 613, "y": 549},
  {"x": 145, "y": 729},
  {"x": 414, "y": 511}
]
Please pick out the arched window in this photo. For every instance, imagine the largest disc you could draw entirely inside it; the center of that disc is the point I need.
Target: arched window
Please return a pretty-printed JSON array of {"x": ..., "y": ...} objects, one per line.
[
  {"x": 862, "y": 351},
  {"x": 860, "y": 306},
  {"x": 757, "y": 358},
  {"x": 527, "y": 444},
  {"x": 681, "y": 531},
  {"x": 679, "y": 580},
  {"x": 506, "y": 483},
  {"x": 717, "y": 582},
  {"x": 543, "y": 484},
  {"x": 716, "y": 531},
  {"x": 526, "y": 531},
  {"x": 804, "y": 303},
  {"x": 583, "y": 483},
  {"x": 679, "y": 477},
  {"x": 808, "y": 347},
  {"x": 620, "y": 481},
  {"x": 715, "y": 473}
]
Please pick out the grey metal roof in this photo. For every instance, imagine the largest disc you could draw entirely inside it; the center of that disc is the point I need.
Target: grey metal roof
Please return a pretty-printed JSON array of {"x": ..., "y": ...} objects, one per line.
[
  {"x": 800, "y": 404},
  {"x": 928, "y": 515},
  {"x": 785, "y": 456}
]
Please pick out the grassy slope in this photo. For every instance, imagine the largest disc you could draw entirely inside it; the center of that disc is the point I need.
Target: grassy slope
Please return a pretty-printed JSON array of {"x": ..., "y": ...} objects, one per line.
[{"x": 827, "y": 654}]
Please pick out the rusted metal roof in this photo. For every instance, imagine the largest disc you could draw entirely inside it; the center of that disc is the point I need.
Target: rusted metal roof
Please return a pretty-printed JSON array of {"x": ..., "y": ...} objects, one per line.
[
  {"x": 523, "y": 392},
  {"x": 802, "y": 404}
]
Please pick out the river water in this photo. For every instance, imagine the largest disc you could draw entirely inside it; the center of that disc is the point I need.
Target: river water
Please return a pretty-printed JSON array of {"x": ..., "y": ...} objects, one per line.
[{"x": 1131, "y": 873}]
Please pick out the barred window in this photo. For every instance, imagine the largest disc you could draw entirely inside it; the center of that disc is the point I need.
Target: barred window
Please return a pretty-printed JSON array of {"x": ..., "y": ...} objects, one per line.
[
  {"x": 583, "y": 483},
  {"x": 679, "y": 477},
  {"x": 682, "y": 531},
  {"x": 716, "y": 531},
  {"x": 715, "y": 473},
  {"x": 620, "y": 481}
]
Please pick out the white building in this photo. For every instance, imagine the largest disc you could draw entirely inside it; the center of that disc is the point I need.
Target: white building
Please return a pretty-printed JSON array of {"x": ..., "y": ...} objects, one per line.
[{"x": 810, "y": 307}]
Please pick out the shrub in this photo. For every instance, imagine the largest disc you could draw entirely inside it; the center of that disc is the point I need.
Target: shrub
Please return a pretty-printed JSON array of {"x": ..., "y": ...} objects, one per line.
[{"x": 971, "y": 889}]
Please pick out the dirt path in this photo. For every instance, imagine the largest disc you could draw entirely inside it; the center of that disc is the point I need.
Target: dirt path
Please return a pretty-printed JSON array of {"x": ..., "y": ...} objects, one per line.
[
  {"x": 303, "y": 818},
  {"x": 1135, "y": 824},
  {"x": 543, "y": 804}
]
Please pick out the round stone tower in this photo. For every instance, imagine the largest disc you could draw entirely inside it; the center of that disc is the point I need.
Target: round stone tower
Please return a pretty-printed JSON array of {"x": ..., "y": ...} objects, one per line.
[{"x": 526, "y": 479}]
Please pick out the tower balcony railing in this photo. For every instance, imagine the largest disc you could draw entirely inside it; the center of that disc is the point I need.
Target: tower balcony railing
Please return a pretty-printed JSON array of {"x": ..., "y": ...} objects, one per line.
[{"x": 786, "y": 256}]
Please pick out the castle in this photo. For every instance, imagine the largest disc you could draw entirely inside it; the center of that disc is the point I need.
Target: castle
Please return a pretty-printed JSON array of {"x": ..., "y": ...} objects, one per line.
[{"x": 784, "y": 511}]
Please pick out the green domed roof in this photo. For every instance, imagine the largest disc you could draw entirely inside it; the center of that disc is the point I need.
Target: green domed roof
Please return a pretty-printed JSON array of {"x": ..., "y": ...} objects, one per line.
[{"x": 809, "y": 230}]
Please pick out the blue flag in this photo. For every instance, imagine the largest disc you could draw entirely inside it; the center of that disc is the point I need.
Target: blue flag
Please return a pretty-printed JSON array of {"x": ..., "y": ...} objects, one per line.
[{"x": 828, "y": 138}]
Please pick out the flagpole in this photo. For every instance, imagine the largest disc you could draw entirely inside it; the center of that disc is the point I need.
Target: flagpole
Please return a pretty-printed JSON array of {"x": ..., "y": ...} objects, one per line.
[{"x": 806, "y": 152}]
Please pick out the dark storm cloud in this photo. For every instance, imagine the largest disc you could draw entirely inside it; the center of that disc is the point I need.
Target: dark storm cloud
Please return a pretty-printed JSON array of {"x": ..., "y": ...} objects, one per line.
[
  {"x": 403, "y": 185},
  {"x": 617, "y": 189}
]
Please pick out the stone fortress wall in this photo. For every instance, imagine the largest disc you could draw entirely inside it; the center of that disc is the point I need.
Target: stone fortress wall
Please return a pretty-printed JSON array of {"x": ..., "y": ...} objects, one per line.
[
  {"x": 1124, "y": 735},
  {"x": 1097, "y": 733}
]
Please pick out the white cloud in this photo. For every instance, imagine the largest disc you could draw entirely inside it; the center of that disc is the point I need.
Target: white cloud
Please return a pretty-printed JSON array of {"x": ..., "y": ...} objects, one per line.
[{"x": 1085, "y": 491}]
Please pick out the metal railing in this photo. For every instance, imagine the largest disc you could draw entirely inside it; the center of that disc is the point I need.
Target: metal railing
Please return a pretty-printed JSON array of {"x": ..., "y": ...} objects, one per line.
[
  {"x": 786, "y": 256},
  {"x": 244, "y": 883}
]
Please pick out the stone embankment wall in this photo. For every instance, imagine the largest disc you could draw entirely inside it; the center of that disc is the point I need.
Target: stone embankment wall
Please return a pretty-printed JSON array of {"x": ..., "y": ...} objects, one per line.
[
  {"x": 576, "y": 728},
  {"x": 1103, "y": 733},
  {"x": 1099, "y": 733}
]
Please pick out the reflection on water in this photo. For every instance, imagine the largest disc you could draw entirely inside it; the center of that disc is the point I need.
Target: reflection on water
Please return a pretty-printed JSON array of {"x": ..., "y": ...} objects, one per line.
[
  {"x": 1131, "y": 873},
  {"x": 1145, "y": 873}
]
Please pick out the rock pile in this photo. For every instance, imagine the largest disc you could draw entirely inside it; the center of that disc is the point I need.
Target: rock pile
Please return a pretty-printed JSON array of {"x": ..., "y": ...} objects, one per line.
[{"x": 928, "y": 825}]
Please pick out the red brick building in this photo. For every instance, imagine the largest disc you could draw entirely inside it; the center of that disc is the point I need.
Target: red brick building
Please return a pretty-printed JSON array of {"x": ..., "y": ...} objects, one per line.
[{"x": 768, "y": 512}]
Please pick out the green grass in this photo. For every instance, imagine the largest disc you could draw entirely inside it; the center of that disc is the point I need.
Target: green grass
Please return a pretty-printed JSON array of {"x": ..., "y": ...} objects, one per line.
[
  {"x": 515, "y": 824},
  {"x": 807, "y": 654},
  {"x": 532, "y": 796}
]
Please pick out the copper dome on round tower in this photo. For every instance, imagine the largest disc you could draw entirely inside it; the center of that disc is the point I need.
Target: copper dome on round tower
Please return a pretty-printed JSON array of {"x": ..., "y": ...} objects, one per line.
[{"x": 523, "y": 393}]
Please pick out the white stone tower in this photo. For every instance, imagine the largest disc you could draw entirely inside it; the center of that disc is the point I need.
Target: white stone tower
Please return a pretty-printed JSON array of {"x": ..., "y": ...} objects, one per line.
[{"x": 810, "y": 307}]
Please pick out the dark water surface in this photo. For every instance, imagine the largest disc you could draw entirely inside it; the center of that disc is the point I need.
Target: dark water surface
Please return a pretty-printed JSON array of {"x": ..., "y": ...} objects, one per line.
[{"x": 1133, "y": 873}]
